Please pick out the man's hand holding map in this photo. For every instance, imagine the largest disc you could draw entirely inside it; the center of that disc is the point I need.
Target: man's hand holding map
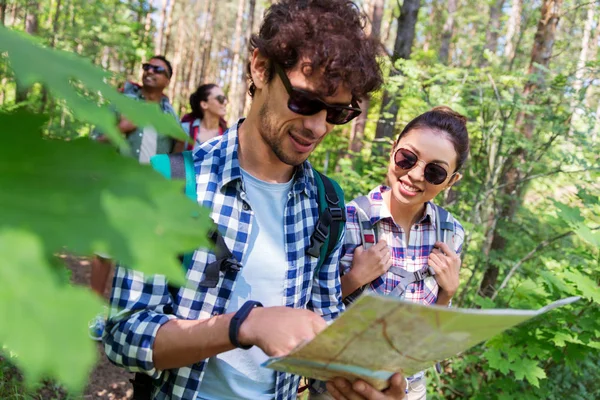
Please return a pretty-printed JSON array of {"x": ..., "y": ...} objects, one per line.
[{"x": 380, "y": 335}]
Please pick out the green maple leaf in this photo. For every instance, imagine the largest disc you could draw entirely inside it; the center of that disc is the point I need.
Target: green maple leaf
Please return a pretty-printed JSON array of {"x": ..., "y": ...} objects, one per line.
[
  {"x": 496, "y": 360},
  {"x": 569, "y": 214},
  {"x": 588, "y": 288},
  {"x": 554, "y": 281},
  {"x": 528, "y": 369},
  {"x": 84, "y": 196},
  {"x": 66, "y": 74},
  {"x": 44, "y": 321},
  {"x": 592, "y": 237}
]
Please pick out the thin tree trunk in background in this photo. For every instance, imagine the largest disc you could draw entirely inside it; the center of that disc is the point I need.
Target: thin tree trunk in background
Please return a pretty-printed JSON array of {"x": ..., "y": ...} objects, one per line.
[
  {"x": 2, "y": 11},
  {"x": 447, "y": 31},
  {"x": 147, "y": 25},
  {"x": 161, "y": 28},
  {"x": 177, "y": 56},
  {"x": 207, "y": 41},
  {"x": 580, "y": 71},
  {"x": 55, "y": 24},
  {"x": 513, "y": 28},
  {"x": 511, "y": 173},
  {"x": 592, "y": 53},
  {"x": 31, "y": 27},
  {"x": 235, "y": 105},
  {"x": 245, "y": 53},
  {"x": 596, "y": 130},
  {"x": 13, "y": 13},
  {"x": 491, "y": 36},
  {"x": 357, "y": 133},
  {"x": 407, "y": 21},
  {"x": 192, "y": 54},
  {"x": 167, "y": 36},
  {"x": 31, "y": 21}
]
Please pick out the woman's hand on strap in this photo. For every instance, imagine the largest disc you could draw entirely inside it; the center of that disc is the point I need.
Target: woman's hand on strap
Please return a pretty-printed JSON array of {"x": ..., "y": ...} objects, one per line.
[
  {"x": 367, "y": 265},
  {"x": 446, "y": 264}
]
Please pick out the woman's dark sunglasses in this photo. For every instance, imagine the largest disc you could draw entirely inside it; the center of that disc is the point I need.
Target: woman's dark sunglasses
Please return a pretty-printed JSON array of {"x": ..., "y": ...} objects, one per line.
[
  {"x": 221, "y": 99},
  {"x": 434, "y": 173},
  {"x": 306, "y": 103},
  {"x": 157, "y": 69}
]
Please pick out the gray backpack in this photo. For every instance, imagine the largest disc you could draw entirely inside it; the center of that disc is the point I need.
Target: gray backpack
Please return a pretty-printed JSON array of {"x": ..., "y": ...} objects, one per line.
[{"x": 369, "y": 236}]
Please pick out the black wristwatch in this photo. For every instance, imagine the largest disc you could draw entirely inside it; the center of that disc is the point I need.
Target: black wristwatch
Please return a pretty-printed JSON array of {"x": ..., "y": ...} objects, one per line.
[{"x": 237, "y": 320}]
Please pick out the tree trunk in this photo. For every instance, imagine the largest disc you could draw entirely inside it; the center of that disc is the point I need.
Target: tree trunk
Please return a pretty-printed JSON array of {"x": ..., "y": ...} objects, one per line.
[
  {"x": 447, "y": 31},
  {"x": 511, "y": 173},
  {"x": 245, "y": 53},
  {"x": 592, "y": 53},
  {"x": 513, "y": 29},
  {"x": 357, "y": 133},
  {"x": 147, "y": 26},
  {"x": 491, "y": 36},
  {"x": 55, "y": 24},
  {"x": 596, "y": 130},
  {"x": 580, "y": 71},
  {"x": 167, "y": 36},
  {"x": 2, "y": 11},
  {"x": 13, "y": 13},
  {"x": 160, "y": 37},
  {"x": 31, "y": 27},
  {"x": 234, "y": 95},
  {"x": 207, "y": 41},
  {"x": 407, "y": 21},
  {"x": 31, "y": 21},
  {"x": 177, "y": 57}
]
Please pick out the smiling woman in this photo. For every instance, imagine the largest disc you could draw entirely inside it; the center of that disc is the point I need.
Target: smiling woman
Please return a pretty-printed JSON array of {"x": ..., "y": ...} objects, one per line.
[
  {"x": 207, "y": 119},
  {"x": 410, "y": 259}
]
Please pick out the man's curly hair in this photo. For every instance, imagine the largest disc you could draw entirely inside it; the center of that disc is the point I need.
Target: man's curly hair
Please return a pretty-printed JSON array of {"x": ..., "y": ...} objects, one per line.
[{"x": 328, "y": 33}]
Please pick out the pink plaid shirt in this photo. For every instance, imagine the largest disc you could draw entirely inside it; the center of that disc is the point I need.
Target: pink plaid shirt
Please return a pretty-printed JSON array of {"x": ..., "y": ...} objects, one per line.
[{"x": 411, "y": 256}]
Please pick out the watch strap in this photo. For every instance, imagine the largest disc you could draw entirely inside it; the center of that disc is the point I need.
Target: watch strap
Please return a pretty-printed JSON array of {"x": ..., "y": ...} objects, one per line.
[{"x": 238, "y": 318}]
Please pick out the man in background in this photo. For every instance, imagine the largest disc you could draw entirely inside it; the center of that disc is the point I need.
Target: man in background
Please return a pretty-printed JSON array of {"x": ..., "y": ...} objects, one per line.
[{"x": 144, "y": 142}]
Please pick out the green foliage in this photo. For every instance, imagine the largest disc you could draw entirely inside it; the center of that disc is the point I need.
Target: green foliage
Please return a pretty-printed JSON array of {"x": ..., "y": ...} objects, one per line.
[
  {"x": 78, "y": 82},
  {"x": 83, "y": 197},
  {"x": 552, "y": 240},
  {"x": 45, "y": 320},
  {"x": 103, "y": 202}
]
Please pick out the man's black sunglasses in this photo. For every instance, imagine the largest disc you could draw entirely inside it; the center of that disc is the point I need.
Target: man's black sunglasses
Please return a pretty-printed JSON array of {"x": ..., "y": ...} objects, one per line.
[
  {"x": 157, "y": 69},
  {"x": 307, "y": 103}
]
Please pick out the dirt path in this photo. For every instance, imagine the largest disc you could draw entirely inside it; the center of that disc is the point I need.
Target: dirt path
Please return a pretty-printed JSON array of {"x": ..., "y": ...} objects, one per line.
[{"x": 106, "y": 381}]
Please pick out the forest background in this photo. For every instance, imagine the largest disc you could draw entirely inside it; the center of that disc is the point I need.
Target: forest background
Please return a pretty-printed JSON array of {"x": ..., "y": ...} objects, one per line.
[{"x": 525, "y": 73}]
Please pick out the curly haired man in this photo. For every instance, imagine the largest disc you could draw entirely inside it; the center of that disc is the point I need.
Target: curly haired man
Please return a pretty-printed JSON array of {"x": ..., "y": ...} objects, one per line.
[{"x": 309, "y": 65}]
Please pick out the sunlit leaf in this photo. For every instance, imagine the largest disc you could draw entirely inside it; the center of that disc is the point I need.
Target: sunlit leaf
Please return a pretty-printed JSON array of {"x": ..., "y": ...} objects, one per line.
[
  {"x": 589, "y": 289},
  {"x": 66, "y": 74},
  {"x": 44, "y": 323},
  {"x": 528, "y": 369},
  {"x": 84, "y": 196}
]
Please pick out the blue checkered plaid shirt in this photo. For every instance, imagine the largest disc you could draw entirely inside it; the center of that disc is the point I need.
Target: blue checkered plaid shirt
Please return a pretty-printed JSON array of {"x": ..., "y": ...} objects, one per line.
[{"x": 140, "y": 304}]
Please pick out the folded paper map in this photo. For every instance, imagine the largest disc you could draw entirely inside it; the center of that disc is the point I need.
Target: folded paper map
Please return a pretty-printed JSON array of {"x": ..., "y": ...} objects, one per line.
[{"x": 379, "y": 335}]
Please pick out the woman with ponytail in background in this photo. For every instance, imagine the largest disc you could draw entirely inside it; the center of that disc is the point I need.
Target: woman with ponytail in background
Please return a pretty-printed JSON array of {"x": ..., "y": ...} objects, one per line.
[{"x": 209, "y": 106}]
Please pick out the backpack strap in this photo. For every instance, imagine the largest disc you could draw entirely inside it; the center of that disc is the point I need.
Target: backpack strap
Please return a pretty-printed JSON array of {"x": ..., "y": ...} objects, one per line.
[
  {"x": 332, "y": 216},
  {"x": 368, "y": 233},
  {"x": 444, "y": 232},
  {"x": 444, "y": 226},
  {"x": 181, "y": 166}
]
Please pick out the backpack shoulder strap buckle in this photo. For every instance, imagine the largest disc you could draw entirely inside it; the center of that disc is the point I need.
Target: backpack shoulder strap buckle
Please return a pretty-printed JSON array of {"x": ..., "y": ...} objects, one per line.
[
  {"x": 337, "y": 214},
  {"x": 318, "y": 238}
]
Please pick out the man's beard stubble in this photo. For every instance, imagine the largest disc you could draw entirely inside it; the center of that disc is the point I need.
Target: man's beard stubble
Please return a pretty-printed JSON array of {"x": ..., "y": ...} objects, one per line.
[{"x": 270, "y": 135}]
